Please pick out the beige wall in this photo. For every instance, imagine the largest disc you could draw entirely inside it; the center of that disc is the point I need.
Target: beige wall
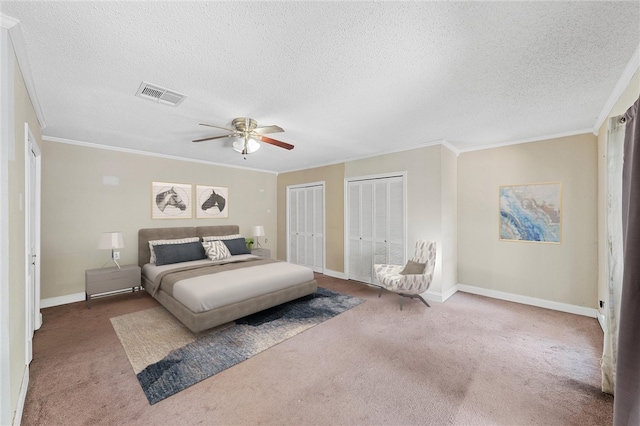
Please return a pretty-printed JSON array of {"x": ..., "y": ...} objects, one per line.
[
  {"x": 77, "y": 206},
  {"x": 628, "y": 97},
  {"x": 565, "y": 272},
  {"x": 333, "y": 178},
  {"x": 23, "y": 113}
]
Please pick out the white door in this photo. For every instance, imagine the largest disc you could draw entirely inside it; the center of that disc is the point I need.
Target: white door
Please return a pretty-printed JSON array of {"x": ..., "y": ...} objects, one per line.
[
  {"x": 305, "y": 216},
  {"x": 360, "y": 233},
  {"x": 376, "y": 225},
  {"x": 389, "y": 221},
  {"x": 32, "y": 261},
  {"x": 315, "y": 210}
]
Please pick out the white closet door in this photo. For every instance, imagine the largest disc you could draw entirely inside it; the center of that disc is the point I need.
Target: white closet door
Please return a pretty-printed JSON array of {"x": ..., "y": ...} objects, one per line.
[
  {"x": 376, "y": 225},
  {"x": 302, "y": 227},
  {"x": 306, "y": 226},
  {"x": 354, "y": 241},
  {"x": 381, "y": 224},
  {"x": 395, "y": 223},
  {"x": 366, "y": 231},
  {"x": 318, "y": 229},
  {"x": 293, "y": 226}
]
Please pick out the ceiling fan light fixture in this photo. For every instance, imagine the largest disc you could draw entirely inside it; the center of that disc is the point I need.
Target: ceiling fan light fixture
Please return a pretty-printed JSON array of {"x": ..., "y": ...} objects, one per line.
[{"x": 252, "y": 146}]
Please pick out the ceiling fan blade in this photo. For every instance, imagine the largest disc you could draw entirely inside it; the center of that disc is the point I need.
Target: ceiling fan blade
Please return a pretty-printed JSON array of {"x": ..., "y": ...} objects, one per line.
[
  {"x": 213, "y": 137},
  {"x": 276, "y": 142},
  {"x": 268, "y": 129},
  {"x": 218, "y": 127}
]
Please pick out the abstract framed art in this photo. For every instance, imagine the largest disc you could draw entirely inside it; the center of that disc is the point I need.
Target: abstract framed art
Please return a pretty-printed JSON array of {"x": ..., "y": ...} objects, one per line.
[
  {"x": 531, "y": 212},
  {"x": 213, "y": 202},
  {"x": 171, "y": 200}
]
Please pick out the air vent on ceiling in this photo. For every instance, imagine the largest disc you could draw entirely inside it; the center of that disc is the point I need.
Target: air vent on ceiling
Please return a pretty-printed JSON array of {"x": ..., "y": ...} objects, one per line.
[{"x": 159, "y": 94}]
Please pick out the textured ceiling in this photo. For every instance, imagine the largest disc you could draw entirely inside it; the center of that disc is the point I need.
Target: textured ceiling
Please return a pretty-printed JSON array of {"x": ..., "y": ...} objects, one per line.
[{"x": 345, "y": 80}]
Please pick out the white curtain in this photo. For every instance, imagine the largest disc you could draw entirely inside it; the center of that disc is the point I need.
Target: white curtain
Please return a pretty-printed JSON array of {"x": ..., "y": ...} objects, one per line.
[{"x": 615, "y": 154}]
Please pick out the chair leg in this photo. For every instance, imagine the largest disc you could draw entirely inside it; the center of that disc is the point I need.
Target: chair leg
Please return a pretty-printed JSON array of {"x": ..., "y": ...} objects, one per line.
[
  {"x": 423, "y": 301},
  {"x": 380, "y": 294},
  {"x": 412, "y": 296}
]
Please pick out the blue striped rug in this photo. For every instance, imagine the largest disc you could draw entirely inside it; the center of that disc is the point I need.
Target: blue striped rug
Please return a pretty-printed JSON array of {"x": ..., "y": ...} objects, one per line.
[{"x": 227, "y": 346}]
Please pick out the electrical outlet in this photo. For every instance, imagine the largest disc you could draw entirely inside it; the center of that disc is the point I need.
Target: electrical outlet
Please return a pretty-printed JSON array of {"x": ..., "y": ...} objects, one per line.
[
  {"x": 601, "y": 304},
  {"x": 116, "y": 255}
]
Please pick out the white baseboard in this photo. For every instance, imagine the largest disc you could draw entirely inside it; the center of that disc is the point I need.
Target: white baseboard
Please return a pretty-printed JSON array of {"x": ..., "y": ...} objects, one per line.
[
  {"x": 440, "y": 297},
  {"x": 335, "y": 274},
  {"x": 62, "y": 300},
  {"x": 526, "y": 300},
  {"x": 22, "y": 397}
]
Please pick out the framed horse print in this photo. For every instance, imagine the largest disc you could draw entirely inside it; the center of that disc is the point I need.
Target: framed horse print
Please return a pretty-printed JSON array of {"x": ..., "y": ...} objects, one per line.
[
  {"x": 213, "y": 202},
  {"x": 171, "y": 200}
]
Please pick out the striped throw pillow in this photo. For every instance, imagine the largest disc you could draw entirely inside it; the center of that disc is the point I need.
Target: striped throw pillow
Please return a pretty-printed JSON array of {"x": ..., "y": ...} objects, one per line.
[{"x": 216, "y": 250}]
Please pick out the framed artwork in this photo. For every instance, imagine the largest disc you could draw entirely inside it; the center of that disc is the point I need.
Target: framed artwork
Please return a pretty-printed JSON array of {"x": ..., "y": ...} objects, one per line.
[
  {"x": 531, "y": 212},
  {"x": 212, "y": 202},
  {"x": 171, "y": 200}
]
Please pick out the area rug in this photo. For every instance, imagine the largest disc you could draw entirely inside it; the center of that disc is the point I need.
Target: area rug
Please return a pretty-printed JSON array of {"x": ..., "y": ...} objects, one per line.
[{"x": 167, "y": 357}]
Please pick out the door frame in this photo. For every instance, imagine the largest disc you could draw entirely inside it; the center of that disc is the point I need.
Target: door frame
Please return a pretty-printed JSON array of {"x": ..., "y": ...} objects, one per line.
[
  {"x": 32, "y": 233},
  {"x": 324, "y": 218}
]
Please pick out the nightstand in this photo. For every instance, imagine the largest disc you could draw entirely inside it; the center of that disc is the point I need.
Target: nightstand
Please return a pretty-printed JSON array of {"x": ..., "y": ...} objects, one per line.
[
  {"x": 110, "y": 280},
  {"x": 262, "y": 252}
]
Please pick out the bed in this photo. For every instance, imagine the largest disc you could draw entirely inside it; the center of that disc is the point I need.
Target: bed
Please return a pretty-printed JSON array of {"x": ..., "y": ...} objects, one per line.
[{"x": 205, "y": 293}]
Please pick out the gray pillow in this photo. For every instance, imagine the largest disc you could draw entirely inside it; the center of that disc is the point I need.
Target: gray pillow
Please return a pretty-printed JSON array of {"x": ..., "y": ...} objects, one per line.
[
  {"x": 175, "y": 253},
  {"x": 413, "y": 268},
  {"x": 237, "y": 246}
]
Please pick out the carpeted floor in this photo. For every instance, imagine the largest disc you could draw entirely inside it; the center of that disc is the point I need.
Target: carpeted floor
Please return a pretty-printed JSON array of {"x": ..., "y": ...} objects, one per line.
[
  {"x": 167, "y": 358},
  {"x": 469, "y": 361}
]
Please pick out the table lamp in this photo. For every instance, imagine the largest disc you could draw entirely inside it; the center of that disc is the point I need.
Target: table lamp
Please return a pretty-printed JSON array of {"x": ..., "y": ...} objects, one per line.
[{"x": 111, "y": 240}]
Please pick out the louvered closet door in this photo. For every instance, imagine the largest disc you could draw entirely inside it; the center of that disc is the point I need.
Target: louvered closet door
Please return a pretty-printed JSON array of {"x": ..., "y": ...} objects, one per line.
[
  {"x": 317, "y": 230},
  {"x": 361, "y": 215},
  {"x": 293, "y": 226},
  {"x": 306, "y": 227},
  {"x": 376, "y": 225},
  {"x": 393, "y": 237}
]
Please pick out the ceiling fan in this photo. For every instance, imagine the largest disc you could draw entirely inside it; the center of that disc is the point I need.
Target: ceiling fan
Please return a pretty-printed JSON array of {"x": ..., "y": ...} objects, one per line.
[{"x": 247, "y": 129}]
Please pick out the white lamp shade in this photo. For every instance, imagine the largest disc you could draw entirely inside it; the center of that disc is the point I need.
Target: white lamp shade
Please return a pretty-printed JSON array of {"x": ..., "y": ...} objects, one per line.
[
  {"x": 111, "y": 240},
  {"x": 258, "y": 231},
  {"x": 252, "y": 146}
]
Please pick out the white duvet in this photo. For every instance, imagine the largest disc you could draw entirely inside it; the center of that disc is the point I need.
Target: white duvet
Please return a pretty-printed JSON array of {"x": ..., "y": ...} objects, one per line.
[{"x": 201, "y": 294}]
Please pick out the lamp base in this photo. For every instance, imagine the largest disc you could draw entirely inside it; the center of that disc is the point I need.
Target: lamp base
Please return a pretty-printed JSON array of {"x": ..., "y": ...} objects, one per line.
[{"x": 113, "y": 260}]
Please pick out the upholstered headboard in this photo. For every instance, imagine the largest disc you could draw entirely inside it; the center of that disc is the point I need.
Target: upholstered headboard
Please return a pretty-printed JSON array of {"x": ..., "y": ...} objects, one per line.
[{"x": 148, "y": 234}]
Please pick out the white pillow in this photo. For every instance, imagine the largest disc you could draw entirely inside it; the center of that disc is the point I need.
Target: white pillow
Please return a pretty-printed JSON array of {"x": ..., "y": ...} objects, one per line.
[
  {"x": 152, "y": 243},
  {"x": 216, "y": 250},
  {"x": 221, "y": 237}
]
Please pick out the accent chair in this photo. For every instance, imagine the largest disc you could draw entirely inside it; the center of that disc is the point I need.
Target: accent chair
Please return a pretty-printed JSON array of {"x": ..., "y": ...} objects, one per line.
[{"x": 411, "y": 279}]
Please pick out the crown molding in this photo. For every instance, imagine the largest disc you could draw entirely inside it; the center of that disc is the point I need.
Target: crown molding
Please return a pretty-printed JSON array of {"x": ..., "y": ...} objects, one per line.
[
  {"x": 148, "y": 154},
  {"x": 7, "y": 21},
  {"x": 521, "y": 141},
  {"x": 20, "y": 50},
  {"x": 451, "y": 147},
  {"x": 378, "y": 154},
  {"x": 632, "y": 66}
]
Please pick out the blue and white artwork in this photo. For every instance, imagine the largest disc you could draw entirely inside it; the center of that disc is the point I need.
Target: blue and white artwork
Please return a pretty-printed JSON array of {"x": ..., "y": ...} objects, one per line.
[{"x": 530, "y": 212}]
